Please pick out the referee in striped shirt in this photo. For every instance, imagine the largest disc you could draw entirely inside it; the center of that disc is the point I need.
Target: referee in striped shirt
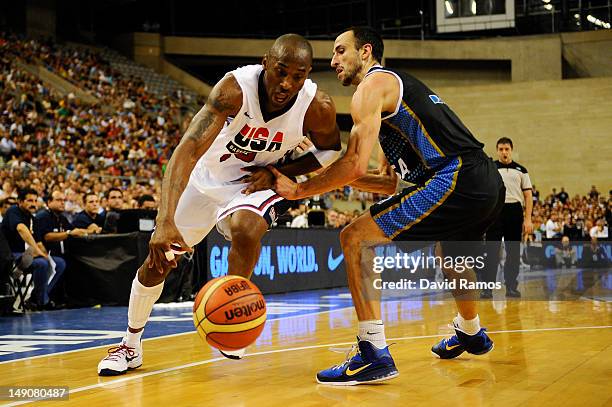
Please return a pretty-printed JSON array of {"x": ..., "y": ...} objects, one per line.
[{"x": 511, "y": 224}]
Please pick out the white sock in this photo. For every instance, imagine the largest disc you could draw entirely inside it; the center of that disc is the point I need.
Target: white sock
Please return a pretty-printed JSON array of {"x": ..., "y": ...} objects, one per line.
[
  {"x": 373, "y": 331},
  {"x": 133, "y": 339},
  {"x": 469, "y": 326},
  {"x": 141, "y": 303}
]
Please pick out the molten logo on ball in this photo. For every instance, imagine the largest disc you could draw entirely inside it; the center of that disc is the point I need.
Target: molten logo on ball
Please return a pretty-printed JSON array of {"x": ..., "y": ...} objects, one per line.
[{"x": 245, "y": 310}]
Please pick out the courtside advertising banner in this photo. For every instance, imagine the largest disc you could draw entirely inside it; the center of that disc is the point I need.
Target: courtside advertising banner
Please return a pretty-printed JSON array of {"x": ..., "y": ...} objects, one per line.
[{"x": 290, "y": 260}]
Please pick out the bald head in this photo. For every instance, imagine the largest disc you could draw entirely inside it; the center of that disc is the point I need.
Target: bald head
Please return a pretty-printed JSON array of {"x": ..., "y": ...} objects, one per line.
[
  {"x": 292, "y": 48},
  {"x": 56, "y": 202},
  {"x": 286, "y": 68}
]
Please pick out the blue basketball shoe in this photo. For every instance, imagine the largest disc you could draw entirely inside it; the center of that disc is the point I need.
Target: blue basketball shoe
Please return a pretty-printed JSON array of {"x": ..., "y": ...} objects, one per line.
[
  {"x": 449, "y": 348},
  {"x": 368, "y": 365}
]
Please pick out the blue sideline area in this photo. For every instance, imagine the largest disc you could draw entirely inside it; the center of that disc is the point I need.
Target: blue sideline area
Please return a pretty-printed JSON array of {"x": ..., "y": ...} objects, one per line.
[{"x": 43, "y": 333}]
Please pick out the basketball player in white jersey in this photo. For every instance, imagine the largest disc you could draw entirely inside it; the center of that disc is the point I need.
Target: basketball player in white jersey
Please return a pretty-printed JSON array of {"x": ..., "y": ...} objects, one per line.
[{"x": 255, "y": 116}]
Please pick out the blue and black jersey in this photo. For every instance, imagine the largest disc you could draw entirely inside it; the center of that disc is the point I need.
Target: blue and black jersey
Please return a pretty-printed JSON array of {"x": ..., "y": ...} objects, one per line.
[
  {"x": 458, "y": 193},
  {"x": 423, "y": 134}
]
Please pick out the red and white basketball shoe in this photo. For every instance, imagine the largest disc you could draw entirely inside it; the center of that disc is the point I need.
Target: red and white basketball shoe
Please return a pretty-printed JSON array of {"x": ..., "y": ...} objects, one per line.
[{"x": 120, "y": 359}]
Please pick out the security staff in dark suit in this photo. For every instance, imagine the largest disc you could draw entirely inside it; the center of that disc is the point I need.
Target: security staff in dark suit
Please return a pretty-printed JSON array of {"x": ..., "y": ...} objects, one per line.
[
  {"x": 114, "y": 197},
  {"x": 53, "y": 228},
  {"x": 511, "y": 224},
  {"x": 90, "y": 215}
]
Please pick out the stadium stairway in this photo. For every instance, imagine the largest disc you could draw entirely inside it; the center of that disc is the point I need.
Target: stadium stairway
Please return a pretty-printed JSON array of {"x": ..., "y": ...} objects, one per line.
[
  {"x": 157, "y": 83},
  {"x": 56, "y": 82}
]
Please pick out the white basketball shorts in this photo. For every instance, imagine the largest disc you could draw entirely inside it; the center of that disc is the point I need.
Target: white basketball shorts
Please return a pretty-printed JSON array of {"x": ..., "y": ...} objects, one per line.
[{"x": 200, "y": 208}]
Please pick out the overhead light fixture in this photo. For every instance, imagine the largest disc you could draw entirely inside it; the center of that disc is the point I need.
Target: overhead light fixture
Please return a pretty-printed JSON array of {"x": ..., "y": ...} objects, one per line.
[
  {"x": 577, "y": 16},
  {"x": 598, "y": 22},
  {"x": 548, "y": 6},
  {"x": 546, "y": 1},
  {"x": 474, "y": 7},
  {"x": 449, "y": 7}
]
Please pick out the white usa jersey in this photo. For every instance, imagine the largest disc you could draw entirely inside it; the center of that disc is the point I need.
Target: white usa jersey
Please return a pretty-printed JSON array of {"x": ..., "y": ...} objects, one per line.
[{"x": 247, "y": 139}]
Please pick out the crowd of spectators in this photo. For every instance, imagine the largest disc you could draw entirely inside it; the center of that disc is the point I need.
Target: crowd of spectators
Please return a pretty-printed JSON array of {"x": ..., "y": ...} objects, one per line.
[
  {"x": 66, "y": 165},
  {"x": 579, "y": 218},
  {"x": 315, "y": 213},
  {"x": 53, "y": 142}
]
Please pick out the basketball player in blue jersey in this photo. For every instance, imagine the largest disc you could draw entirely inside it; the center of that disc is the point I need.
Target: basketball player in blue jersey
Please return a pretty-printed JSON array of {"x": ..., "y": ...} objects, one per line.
[{"x": 458, "y": 194}]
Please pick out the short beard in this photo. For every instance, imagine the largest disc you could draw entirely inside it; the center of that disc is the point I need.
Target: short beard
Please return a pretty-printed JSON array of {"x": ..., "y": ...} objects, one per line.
[{"x": 351, "y": 75}]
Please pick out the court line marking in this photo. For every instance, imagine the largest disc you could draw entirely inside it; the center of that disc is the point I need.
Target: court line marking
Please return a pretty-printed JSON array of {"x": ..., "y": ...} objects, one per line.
[
  {"x": 267, "y": 352},
  {"x": 596, "y": 299}
]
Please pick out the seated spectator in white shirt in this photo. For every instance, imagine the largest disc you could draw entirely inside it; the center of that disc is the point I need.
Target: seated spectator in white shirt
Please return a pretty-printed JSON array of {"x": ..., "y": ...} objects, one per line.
[
  {"x": 553, "y": 229},
  {"x": 7, "y": 147},
  {"x": 300, "y": 219},
  {"x": 600, "y": 230}
]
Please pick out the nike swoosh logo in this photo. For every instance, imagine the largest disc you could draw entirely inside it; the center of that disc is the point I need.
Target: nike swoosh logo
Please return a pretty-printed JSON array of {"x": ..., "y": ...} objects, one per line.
[
  {"x": 130, "y": 359},
  {"x": 350, "y": 372},
  {"x": 333, "y": 262},
  {"x": 451, "y": 347},
  {"x": 247, "y": 115}
]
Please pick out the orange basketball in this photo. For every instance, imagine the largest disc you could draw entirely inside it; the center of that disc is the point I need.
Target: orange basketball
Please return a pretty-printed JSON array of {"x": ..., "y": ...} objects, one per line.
[{"x": 229, "y": 312}]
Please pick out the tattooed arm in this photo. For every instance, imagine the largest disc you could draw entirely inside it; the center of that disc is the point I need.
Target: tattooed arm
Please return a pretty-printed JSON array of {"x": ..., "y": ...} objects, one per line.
[{"x": 224, "y": 100}]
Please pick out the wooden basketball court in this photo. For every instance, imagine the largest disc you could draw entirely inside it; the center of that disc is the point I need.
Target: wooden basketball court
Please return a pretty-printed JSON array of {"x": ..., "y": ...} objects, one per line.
[{"x": 552, "y": 353}]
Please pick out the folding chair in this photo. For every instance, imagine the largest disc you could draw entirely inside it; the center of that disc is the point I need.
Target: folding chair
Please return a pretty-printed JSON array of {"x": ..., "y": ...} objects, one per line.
[
  {"x": 21, "y": 282},
  {"x": 7, "y": 297}
]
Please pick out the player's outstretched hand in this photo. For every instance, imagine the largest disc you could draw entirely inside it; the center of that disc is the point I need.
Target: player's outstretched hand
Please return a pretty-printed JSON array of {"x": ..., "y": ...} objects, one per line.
[
  {"x": 284, "y": 186},
  {"x": 165, "y": 239},
  {"x": 259, "y": 179}
]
